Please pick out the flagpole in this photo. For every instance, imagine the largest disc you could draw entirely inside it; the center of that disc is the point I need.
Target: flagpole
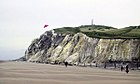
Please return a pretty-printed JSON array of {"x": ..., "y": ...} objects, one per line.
[{"x": 92, "y": 22}]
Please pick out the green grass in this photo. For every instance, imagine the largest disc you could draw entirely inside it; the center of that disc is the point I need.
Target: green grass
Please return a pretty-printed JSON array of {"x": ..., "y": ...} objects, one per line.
[
  {"x": 100, "y": 31},
  {"x": 67, "y": 30}
]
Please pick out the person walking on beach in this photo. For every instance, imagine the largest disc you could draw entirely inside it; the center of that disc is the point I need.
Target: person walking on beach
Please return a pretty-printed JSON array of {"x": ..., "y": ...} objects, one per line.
[
  {"x": 105, "y": 65},
  {"x": 66, "y": 64},
  {"x": 127, "y": 70},
  {"x": 122, "y": 68}
]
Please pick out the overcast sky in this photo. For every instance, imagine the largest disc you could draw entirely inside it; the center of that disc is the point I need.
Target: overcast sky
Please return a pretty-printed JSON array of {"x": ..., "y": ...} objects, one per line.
[{"x": 22, "y": 20}]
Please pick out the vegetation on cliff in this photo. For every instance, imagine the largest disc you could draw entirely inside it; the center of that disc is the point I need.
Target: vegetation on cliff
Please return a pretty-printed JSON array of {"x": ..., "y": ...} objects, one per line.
[{"x": 100, "y": 31}]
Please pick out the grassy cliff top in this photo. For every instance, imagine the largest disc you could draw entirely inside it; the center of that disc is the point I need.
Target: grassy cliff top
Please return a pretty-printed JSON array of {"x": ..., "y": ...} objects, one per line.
[{"x": 100, "y": 31}]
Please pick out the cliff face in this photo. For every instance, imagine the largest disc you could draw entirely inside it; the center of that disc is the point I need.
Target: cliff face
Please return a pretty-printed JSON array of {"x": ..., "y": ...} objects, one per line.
[
  {"x": 117, "y": 49},
  {"x": 80, "y": 48}
]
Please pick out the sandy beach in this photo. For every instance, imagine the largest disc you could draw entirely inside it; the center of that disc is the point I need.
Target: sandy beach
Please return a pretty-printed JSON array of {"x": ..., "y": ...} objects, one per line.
[{"x": 33, "y": 73}]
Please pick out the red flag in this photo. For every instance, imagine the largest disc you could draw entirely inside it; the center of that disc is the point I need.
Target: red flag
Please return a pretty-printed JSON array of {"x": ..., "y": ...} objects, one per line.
[{"x": 46, "y": 26}]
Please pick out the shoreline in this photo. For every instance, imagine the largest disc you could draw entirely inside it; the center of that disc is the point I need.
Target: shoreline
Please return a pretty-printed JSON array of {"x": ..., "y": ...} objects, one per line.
[
  {"x": 82, "y": 66},
  {"x": 38, "y": 73}
]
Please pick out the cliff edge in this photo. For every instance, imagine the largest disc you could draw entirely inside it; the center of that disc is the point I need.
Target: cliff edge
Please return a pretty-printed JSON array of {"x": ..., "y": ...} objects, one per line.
[{"x": 78, "y": 47}]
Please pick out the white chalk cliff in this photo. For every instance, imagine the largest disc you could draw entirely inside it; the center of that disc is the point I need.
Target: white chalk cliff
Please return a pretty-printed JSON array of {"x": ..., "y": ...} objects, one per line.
[{"x": 79, "y": 48}]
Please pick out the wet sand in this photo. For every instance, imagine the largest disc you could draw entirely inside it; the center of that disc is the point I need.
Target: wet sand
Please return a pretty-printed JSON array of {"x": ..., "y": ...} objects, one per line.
[{"x": 32, "y": 73}]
